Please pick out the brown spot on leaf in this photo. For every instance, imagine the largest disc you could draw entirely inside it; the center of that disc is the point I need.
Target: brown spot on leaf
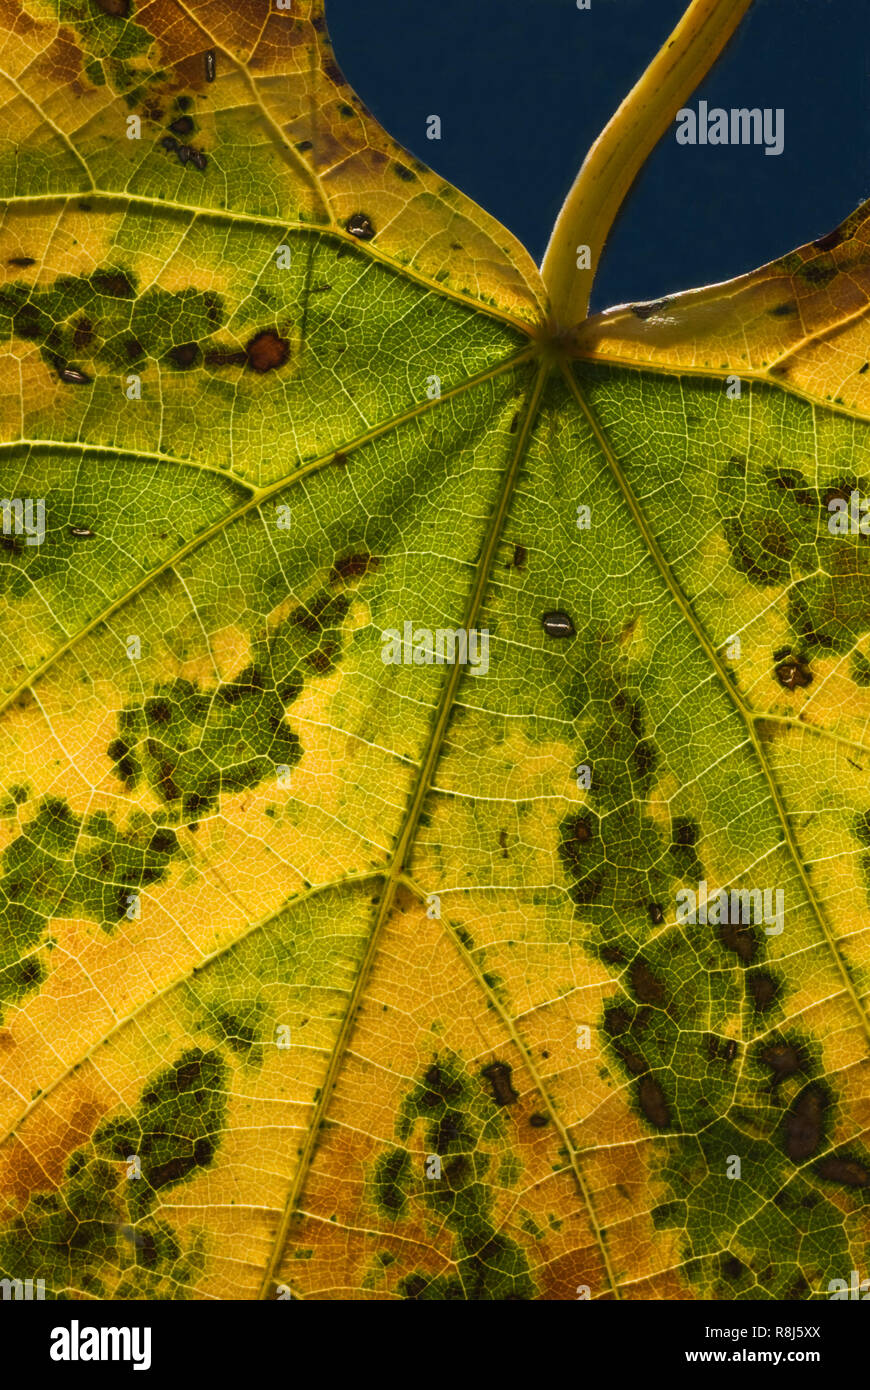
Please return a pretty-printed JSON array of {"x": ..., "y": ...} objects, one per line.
[
  {"x": 185, "y": 355},
  {"x": 114, "y": 284},
  {"x": 225, "y": 357},
  {"x": 520, "y": 557},
  {"x": 360, "y": 226},
  {"x": 537, "y": 1121},
  {"x": 266, "y": 351},
  {"x": 804, "y": 1125},
  {"x": 829, "y": 240},
  {"x": 118, "y": 9},
  {"x": 320, "y": 660},
  {"x": 653, "y": 1103},
  {"x": 580, "y": 830},
  {"x": 353, "y": 567},
  {"x": 793, "y": 673},
  {"x": 783, "y": 1059},
  {"x": 843, "y": 1170},
  {"x": 646, "y": 311},
  {"x": 83, "y": 334},
  {"x": 645, "y": 984},
  {"x": 22, "y": 261},
  {"x": 498, "y": 1074},
  {"x": 558, "y": 624},
  {"x": 738, "y": 938},
  {"x": 182, "y": 125},
  {"x": 334, "y": 72},
  {"x": 612, "y": 955}
]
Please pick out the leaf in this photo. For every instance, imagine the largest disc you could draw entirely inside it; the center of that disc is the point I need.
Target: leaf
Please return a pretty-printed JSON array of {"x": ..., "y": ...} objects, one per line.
[{"x": 302, "y": 949}]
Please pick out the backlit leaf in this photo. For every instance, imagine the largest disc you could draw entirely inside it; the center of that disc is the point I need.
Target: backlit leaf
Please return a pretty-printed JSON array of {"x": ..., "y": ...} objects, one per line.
[{"x": 334, "y": 977}]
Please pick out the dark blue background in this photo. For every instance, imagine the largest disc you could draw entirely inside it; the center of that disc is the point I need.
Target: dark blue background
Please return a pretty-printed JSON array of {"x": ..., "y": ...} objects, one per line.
[{"x": 523, "y": 87}]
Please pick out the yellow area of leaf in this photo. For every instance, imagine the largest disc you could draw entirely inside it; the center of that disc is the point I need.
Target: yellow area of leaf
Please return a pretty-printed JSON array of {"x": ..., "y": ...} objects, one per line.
[
  {"x": 287, "y": 137},
  {"x": 799, "y": 322}
]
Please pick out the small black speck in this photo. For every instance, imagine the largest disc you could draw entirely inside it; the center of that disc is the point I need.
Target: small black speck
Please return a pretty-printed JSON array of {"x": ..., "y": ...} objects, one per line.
[
  {"x": 557, "y": 625},
  {"x": 861, "y": 370},
  {"x": 538, "y": 1121}
]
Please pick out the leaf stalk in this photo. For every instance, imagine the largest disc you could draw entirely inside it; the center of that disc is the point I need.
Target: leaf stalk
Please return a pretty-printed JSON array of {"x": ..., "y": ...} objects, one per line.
[{"x": 622, "y": 149}]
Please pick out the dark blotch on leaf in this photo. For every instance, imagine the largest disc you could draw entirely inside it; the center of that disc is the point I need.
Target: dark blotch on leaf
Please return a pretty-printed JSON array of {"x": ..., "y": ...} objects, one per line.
[
  {"x": 557, "y": 624},
  {"x": 185, "y": 355},
  {"x": 83, "y": 334},
  {"x": 182, "y": 125},
  {"x": 645, "y": 984},
  {"x": 843, "y": 1170},
  {"x": 738, "y": 938},
  {"x": 829, "y": 240},
  {"x": 267, "y": 351},
  {"x": 22, "y": 261},
  {"x": 763, "y": 988},
  {"x": 537, "y": 1121},
  {"x": 360, "y": 226},
  {"x": 783, "y": 1058},
  {"x": 353, "y": 567},
  {"x": 793, "y": 673},
  {"x": 498, "y": 1074},
  {"x": 118, "y": 9},
  {"x": 653, "y": 1103},
  {"x": 804, "y": 1126},
  {"x": 646, "y": 311},
  {"x": 113, "y": 283}
]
